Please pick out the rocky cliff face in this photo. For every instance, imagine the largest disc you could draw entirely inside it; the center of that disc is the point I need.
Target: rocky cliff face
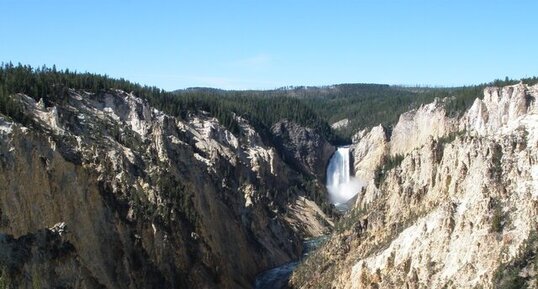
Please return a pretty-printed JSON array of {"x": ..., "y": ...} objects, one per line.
[
  {"x": 414, "y": 129},
  {"x": 458, "y": 210},
  {"x": 369, "y": 149},
  {"x": 303, "y": 147},
  {"x": 103, "y": 191}
]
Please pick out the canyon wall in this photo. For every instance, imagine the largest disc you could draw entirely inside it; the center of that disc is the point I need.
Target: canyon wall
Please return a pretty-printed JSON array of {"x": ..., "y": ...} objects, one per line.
[
  {"x": 458, "y": 209},
  {"x": 104, "y": 191}
]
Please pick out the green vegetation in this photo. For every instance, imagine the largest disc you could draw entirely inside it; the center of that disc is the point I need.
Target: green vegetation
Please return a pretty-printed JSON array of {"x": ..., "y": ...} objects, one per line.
[
  {"x": 179, "y": 200},
  {"x": 497, "y": 223},
  {"x": 177, "y": 203},
  {"x": 316, "y": 268},
  {"x": 496, "y": 170},
  {"x": 508, "y": 275},
  {"x": 386, "y": 165},
  {"x": 4, "y": 279},
  {"x": 316, "y": 193},
  {"x": 508, "y": 81},
  {"x": 450, "y": 137},
  {"x": 499, "y": 219},
  {"x": 53, "y": 86},
  {"x": 265, "y": 110},
  {"x": 365, "y": 105},
  {"x": 36, "y": 280},
  {"x": 349, "y": 220}
]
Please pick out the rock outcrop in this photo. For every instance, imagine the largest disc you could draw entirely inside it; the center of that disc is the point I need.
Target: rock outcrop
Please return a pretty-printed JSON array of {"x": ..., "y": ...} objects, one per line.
[
  {"x": 458, "y": 211},
  {"x": 142, "y": 199},
  {"x": 341, "y": 124},
  {"x": 369, "y": 149},
  {"x": 413, "y": 129},
  {"x": 303, "y": 147},
  {"x": 416, "y": 127}
]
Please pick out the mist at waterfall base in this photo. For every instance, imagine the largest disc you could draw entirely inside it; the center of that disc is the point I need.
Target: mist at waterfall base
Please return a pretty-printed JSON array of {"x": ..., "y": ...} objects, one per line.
[
  {"x": 342, "y": 193},
  {"x": 341, "y": 186}
]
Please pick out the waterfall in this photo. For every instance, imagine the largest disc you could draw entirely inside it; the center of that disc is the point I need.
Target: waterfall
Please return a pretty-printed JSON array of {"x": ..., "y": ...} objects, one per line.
[
  {"x": 338, "y": 169},
  {"x": 341, "y": 186}
]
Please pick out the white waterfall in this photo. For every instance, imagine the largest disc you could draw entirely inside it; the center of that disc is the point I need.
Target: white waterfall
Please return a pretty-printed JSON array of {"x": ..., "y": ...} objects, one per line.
[{"x": 341, "y": 186}]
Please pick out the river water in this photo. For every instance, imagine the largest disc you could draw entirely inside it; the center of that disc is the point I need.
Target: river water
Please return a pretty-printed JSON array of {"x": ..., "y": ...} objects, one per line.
[
  {"x": 278, "y": 277},
  {"x": 342, "y": 188}
]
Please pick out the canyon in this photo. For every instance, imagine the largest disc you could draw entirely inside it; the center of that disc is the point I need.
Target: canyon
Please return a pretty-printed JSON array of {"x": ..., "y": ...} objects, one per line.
[
  {"x": 103, "y": 190},
  {"x": 451, "y": 202}
]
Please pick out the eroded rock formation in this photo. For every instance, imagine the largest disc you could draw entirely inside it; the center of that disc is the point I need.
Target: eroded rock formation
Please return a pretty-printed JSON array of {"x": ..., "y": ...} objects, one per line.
[
  {"x": 458, "y": 210},
  {"x": 144, "y": 199},
  {"x": 303, "y": 147}
]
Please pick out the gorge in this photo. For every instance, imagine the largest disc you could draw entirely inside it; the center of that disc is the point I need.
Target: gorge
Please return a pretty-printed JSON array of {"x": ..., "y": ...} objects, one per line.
[
  {"x": 341, "y": 188},
  {"x": 451, "y": 201},
  {"x": 119, "y": 194},
  {"x": 135, "y": 188}
]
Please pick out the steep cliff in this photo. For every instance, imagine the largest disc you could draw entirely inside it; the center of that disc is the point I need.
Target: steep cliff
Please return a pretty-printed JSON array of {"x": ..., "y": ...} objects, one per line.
[
  {"x": 458, "y": 209},
  {"x": 303, "y": 147},
  {"x": 104, "y": 191}
]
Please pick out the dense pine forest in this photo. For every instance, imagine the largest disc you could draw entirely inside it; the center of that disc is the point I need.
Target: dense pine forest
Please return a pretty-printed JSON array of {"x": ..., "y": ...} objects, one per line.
[
  {"x": 53, "y": 85},
  {"x": 365, "y": 105},
  {"x": 316, "y": 107}
]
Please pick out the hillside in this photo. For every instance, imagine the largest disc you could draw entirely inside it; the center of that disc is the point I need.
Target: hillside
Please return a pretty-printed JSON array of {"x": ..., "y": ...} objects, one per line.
[
  {"x": 363, "y": 105},
  {"x": 450, "y": 203},
  {"x": 100, "y": 189},
  {"x": 108, "y": 184}
]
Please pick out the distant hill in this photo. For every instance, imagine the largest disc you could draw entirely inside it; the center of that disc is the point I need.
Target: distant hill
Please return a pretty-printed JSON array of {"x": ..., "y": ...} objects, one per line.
[{"x": 365, "y": 105}]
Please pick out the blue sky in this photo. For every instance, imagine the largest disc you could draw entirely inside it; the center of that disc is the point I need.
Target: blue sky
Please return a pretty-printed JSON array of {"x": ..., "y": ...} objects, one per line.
[{"x": 268, "y": 44}]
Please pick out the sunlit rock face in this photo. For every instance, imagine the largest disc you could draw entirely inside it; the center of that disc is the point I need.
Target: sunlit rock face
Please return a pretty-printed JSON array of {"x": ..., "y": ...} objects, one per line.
[
  {"x": 460, "y": 210},
  {"x": 104, "y": 191}
]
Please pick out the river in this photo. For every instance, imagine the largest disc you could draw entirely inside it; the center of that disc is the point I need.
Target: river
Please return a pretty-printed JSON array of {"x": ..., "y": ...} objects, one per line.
[{"x": 278, "y": 277}]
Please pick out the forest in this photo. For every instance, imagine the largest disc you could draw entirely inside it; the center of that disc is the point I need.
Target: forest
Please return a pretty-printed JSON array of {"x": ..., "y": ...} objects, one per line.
[
  {"x": 364, "y": 105},
  {"x": 53, "y": 85}
]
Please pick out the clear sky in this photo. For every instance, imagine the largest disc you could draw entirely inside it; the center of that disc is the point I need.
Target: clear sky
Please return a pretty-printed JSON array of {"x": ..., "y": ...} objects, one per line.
[{"x": 272, "y": 43}]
